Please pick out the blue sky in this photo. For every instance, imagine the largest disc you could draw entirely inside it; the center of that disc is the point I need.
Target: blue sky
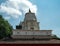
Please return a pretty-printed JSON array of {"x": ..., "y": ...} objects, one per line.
[{"x": 48, "y": 14}]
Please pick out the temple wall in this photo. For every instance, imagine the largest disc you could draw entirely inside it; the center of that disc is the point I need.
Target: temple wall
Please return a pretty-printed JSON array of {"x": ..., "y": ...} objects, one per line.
[
  {"x": 30, "y": 37},
  {"x": 40, "y": 32}
]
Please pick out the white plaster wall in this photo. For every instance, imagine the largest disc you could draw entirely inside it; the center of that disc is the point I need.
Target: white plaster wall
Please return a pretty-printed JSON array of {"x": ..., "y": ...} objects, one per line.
[{"x": 18, "y": 32}]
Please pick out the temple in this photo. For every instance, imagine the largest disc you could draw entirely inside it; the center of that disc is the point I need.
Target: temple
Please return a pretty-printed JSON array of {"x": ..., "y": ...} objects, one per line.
[{"x": 29, "y": 29}]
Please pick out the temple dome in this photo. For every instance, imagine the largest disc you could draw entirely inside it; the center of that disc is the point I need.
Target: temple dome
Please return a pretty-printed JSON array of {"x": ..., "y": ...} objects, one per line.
[{"x": 30, "y": 16}]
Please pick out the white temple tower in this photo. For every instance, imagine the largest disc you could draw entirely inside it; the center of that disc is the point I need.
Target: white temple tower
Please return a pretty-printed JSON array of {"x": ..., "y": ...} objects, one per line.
[{"x": 30, "y": 22}]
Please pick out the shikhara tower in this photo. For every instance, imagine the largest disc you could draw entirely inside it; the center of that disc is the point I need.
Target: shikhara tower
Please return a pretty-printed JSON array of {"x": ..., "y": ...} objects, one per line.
[{"x": 30, "y": 22}]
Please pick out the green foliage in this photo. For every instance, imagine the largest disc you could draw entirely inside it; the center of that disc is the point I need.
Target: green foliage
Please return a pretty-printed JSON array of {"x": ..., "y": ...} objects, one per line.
[
  {"x": 5, "y": 28},
  {"x": 55, "y": 37}
]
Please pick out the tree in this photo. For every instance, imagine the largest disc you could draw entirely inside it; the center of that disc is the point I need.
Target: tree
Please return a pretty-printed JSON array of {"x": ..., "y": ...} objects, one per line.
[
  {"x": 55, "y": 37},
  {"x": 5, "y": 28}
]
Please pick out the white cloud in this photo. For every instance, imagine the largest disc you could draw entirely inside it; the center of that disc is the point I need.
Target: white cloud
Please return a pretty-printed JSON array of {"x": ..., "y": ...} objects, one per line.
[
  {"x": 15, "y": 8},
  {"x": 10, "y": 11}
]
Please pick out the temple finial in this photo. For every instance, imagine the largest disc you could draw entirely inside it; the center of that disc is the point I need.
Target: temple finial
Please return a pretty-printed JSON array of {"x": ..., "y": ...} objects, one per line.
[{"x": 29, "y": 11}]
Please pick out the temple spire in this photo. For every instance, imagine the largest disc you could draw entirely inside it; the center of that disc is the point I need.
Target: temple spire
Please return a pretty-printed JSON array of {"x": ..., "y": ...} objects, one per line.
[{"x": 29, "y": 11}]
